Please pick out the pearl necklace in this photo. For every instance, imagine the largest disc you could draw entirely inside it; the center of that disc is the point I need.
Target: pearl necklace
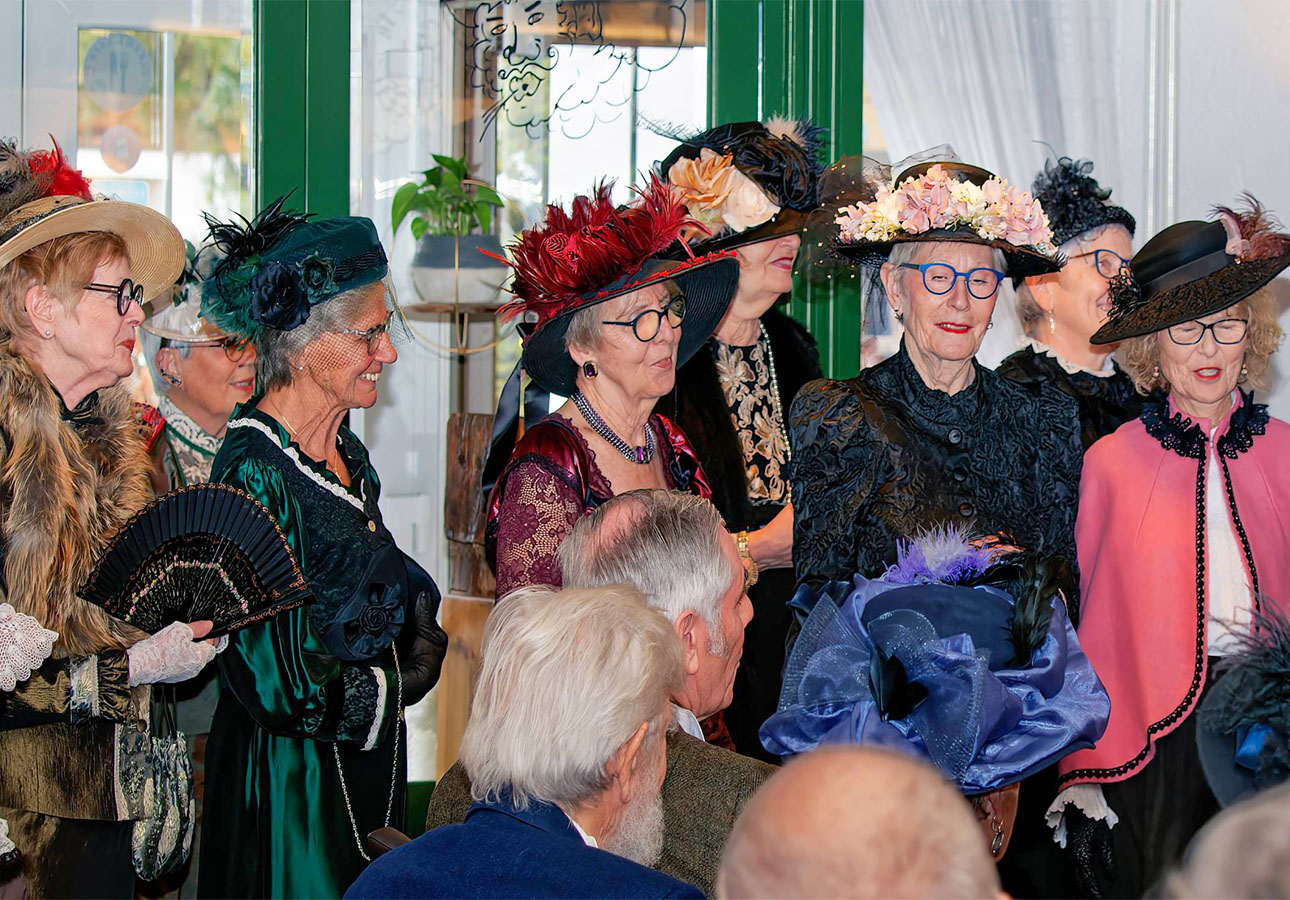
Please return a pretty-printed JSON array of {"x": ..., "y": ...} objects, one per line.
[
  {"x": 640, "y": 455},
  {"x": 774, "y": 394}
]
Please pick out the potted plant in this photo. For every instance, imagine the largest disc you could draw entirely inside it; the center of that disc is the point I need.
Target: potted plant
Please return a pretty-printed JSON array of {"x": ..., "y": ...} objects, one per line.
[{"x": 443, "y": 210}]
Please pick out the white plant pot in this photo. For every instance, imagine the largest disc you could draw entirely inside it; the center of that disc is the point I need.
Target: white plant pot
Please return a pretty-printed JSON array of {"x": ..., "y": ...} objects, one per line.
[{"x": 448, "y": 270}]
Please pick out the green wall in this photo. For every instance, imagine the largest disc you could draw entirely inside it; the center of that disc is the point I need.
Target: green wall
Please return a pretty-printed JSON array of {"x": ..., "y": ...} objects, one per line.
[{"x": 793, "y": 58}]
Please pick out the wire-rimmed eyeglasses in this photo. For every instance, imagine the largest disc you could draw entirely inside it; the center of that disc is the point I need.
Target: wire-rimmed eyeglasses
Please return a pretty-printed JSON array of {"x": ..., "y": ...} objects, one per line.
[
  {"x": 371, "y": 335},
  {"x": 940, "y": 278},
  {"x": 1107, "y": 262}
]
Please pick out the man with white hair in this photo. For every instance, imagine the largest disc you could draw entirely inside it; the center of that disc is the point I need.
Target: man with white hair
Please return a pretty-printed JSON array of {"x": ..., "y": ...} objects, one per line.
[
  {"x": 674, "y": 548},
  {"x": 858, "y": 822},
  {"x": 562, "y": 760}
]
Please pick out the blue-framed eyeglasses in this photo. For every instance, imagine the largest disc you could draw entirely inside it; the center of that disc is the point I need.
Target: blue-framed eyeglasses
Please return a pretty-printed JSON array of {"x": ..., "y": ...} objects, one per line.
[
  {"x": 939, "y": 278},
  {"x": 1107, "y": 262},
  {"x": 646, "y": 325}
]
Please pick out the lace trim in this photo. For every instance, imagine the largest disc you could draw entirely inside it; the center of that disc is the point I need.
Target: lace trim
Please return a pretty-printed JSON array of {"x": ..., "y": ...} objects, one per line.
[
  {"x": 1088, "y": 799},
  {"x": 1070, "y": 368},
  {"x": 186, "y": 428},
  {"x": 290, "y": 452},
  {"x": 84, "y": 678},
  {"x": 6, "y": 846},
  {"x": 382, "y": 690},
  {"x": 1181, "y": 435}
]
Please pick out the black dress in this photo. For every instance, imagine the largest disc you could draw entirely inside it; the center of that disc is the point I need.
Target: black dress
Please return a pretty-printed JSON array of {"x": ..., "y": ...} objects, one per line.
[
  {"x": 881, "y": 456},
  {"x": 1105, "y": 402},
  {"x": 699, "y": 406}
]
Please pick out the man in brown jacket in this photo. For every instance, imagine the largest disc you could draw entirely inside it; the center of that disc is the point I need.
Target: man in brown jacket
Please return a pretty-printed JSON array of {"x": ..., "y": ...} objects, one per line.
[{"x": 675, "y": 549}]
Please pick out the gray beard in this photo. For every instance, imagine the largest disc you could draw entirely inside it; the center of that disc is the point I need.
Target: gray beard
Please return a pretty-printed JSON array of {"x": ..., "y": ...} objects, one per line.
[{"x": 639, "y": 836}]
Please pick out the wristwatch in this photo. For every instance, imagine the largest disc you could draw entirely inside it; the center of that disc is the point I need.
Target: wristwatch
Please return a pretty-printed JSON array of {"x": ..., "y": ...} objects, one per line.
[{"x": 750, "y": 564}]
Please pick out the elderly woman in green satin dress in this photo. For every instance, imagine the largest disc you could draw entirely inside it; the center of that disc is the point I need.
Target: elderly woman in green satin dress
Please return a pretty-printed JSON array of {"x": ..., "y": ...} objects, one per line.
[{"x": 307, "y": 753}]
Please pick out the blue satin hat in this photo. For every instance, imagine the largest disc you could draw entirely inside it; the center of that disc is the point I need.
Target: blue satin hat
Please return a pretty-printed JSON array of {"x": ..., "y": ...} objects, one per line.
[{"x": 987, "y": 687}]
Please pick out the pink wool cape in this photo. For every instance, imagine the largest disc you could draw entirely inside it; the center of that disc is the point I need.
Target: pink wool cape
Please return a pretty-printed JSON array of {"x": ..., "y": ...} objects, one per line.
[{"x": 1143, "y": 628}]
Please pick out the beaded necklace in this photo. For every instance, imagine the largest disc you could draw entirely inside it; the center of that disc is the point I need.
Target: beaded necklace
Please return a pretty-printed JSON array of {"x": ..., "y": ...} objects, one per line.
[
  {"x": 774, "y": 399},
  {"x": 639, "y": 455}
]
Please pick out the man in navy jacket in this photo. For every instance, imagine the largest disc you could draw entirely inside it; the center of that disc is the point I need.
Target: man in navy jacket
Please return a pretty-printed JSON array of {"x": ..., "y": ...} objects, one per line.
[{"x": 566, "y": 755}]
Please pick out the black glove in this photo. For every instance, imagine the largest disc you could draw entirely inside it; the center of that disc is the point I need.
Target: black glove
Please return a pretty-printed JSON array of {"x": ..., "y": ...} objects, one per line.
[
  {"x": 1089, "y": 852},
  {"x": 429, "y": 644}
]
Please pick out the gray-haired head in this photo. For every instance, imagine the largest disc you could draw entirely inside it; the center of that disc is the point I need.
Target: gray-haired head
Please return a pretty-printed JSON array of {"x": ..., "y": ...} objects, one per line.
[
  {"x": 150, "y": 344},
  {"x": 582, "y": 669},
  {"x": 666, "y": 544},
  {"x": 277, "y": 350}
]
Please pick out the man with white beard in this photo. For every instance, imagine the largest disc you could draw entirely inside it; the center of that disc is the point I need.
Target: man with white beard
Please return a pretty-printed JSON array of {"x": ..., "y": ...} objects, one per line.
[{"x": 566, "y": 757}]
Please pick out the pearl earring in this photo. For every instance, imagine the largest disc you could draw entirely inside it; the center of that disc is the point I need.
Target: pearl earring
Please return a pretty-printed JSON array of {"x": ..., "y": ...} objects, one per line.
[
  {"x": 1245, "y": 371},
  {"x": 1155, "y": 372},
  {"x": 48, "y": 333},
  {"x": 1052, "y": 323}
]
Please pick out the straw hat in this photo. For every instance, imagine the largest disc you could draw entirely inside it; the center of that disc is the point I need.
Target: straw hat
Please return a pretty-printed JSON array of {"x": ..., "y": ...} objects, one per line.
[{"x": 64, "y": 207}]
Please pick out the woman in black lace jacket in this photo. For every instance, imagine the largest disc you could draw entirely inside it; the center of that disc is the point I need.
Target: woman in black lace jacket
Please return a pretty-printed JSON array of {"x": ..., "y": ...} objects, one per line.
[{"x": 929, "y": 437}]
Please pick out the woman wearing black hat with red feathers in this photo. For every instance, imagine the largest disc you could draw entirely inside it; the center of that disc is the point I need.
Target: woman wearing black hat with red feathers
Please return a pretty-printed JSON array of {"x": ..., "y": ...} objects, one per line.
[
  {"x": 612, "y": 323},
  {"x": 752, "y": 184},
  {"x": 1181, "y": 534}
]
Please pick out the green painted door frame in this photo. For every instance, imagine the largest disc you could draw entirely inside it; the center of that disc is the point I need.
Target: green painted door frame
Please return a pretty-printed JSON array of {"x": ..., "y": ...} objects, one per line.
[
  {"x": 794, "y": 58},
  {"x": 302, "y": 103}
]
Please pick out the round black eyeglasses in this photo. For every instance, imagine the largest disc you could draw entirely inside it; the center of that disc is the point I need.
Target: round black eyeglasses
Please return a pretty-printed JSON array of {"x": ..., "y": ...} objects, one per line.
[
  {"x": 647, "y": 324},
  {"x": 126, "y": 292},
  {"x": 940, "y": 278}
]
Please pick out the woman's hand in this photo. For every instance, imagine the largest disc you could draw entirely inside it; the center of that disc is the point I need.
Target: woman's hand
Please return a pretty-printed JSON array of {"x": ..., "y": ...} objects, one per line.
[
  {"x": 771, "y": 546},
  {"x": 173, "y": 654}
]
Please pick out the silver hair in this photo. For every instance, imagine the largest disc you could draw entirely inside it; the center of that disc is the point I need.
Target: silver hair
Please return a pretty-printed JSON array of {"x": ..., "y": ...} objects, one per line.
[
  {"x": 152, "y": 344},
  {"x": 276, "y": 350},
  {"x": 580, "y": 669},
  {"x": 1244, "y": 851},
  {"x": 584, "y": 328},
  {"x": 665, "y": 544}
]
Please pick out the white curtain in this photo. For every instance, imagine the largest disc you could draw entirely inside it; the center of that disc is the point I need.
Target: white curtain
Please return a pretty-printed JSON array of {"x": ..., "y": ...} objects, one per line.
[{"x": 1010, "y": 83}]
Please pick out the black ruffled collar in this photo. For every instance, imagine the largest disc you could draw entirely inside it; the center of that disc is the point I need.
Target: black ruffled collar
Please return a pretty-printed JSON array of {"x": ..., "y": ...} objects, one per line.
[
  {"x": 86, "y": 413},
  {"x": 934, "y": 404},
  {"x": 1180, "y": 434}
]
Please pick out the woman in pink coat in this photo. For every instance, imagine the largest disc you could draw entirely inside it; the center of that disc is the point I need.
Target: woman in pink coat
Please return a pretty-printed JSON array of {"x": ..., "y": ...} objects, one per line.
[{"x": 1182, "y": 533}]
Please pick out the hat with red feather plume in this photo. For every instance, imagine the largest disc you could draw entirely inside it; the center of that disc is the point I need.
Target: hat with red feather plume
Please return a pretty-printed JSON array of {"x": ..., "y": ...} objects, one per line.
[
  {"x": 1195, "y": 269},
  {"x": 42, "y": 197},
  {"x": 596, "y": 251}
]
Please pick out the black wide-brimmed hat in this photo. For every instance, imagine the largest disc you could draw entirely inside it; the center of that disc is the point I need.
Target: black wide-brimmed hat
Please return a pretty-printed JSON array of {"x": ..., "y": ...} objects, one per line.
[
  {"x": 598, "y": 251},
  {"x": 746, "y": 181},
  {"x": 1194, "y": 269},
  {"x": 1243, "y": 724},
  {"x": 935, "y": 199}
]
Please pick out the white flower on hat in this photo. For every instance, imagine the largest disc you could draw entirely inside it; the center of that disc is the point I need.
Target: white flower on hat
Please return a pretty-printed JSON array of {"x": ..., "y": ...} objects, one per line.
[{"x": 747, "y": 205}]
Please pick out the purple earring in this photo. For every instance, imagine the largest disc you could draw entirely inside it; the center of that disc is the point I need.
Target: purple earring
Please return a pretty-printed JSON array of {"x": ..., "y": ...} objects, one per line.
[{"x": 589, "y": 369}]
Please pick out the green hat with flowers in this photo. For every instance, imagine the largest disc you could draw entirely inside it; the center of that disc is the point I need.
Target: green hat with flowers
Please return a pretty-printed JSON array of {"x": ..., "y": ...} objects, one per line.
[{"x": 279, "y": 265}]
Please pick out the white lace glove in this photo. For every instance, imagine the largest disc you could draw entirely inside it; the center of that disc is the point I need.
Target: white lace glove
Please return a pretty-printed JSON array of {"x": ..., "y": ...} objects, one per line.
[
  {"x": 1090, "y": 801},
  {"x": 24, "y": 645},
  {"x": 170, "y": 656}
]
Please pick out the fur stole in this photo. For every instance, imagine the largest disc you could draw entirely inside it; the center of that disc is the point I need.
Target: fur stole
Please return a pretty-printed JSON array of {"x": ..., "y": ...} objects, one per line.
[{"x": 63, "y": 493}]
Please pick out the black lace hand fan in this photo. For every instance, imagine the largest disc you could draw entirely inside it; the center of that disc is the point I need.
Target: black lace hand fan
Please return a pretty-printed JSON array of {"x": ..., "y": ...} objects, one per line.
[{"x": 208, "y": 551}]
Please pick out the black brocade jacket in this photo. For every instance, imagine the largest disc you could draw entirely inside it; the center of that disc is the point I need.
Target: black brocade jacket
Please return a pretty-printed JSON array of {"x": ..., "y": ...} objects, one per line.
[
  {"x": 698, "y": 405},
  {"x": 882, "y": 456},
  {"x": 1104, "y": 403}
]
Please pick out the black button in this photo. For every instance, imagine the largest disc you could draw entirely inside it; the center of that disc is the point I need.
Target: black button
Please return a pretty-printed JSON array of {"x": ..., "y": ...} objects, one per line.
[
  {"x": 960, "y": 476},
  {"x": 955, "y": 436},
  {"x": 967, "y": 510}
]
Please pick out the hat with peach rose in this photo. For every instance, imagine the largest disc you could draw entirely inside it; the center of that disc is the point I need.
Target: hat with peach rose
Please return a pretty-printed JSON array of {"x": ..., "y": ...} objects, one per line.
[{"x": 746, "y": 181}]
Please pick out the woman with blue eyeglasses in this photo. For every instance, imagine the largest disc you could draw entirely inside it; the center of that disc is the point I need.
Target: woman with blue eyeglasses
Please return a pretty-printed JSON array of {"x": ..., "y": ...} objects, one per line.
[
  {"x": 1059, "y": 311},
  {"x": 608, "y": 325},
  {"x": 930, "y": 438}
]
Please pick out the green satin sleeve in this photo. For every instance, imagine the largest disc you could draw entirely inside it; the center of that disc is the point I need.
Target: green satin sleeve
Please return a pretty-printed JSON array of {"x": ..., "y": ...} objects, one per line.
[{"x": 279, "y": 669}]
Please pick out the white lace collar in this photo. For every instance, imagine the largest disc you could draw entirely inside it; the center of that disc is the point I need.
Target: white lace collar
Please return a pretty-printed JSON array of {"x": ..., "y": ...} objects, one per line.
[
  {"x": 179, "y": 422},
  {"x": 1070, "y": 368},
  {"x": 290, "y": 452}
]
